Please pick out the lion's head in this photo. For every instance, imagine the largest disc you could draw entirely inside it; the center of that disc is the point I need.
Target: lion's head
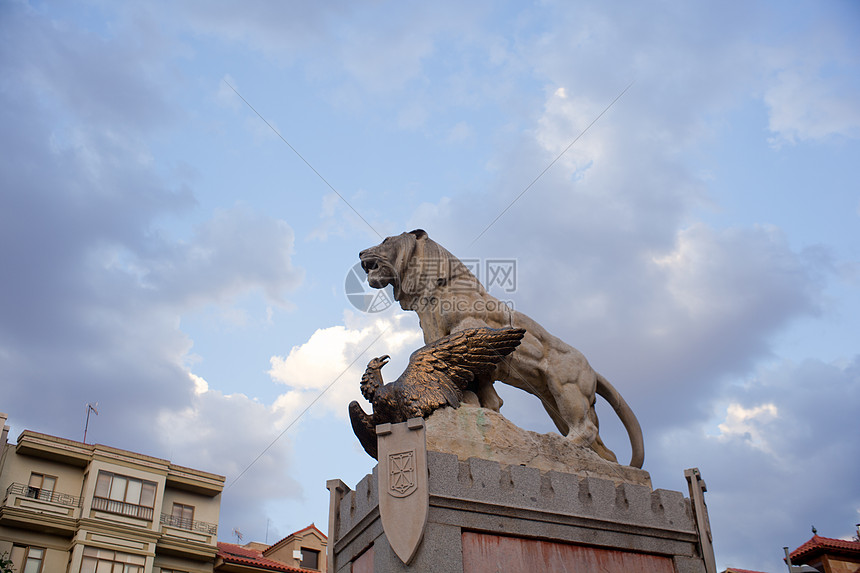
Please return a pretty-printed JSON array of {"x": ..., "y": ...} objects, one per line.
[{"x": 413, "y": 264}]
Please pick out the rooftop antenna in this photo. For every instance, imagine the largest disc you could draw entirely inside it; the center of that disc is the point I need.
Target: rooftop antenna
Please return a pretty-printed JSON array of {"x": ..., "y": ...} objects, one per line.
[
  {"x": 94, "y": 408},
  {"x": 238, "y": 535}
]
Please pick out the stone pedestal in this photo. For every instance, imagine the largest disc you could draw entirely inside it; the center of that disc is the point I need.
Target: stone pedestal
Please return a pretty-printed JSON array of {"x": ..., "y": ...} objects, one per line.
[
  {"x": 486, "y": 516},
  {"x": 473, "y": 432}
]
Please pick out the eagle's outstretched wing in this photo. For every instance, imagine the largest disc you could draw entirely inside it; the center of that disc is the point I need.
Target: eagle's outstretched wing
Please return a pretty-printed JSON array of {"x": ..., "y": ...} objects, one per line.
[
  {"x": 438, "y": 374},
  {"x": 364, "y": 427}
]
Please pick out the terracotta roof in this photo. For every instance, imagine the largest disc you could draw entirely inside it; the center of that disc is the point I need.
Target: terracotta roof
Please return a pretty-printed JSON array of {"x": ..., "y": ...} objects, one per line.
[
  {"x": 232, "y": 553},
  {"x": 820, "y": 544},
  {"x": 274, "y": 546},
  {"x": 736, "y": 570},
  {"x": 311, "y": 526}
]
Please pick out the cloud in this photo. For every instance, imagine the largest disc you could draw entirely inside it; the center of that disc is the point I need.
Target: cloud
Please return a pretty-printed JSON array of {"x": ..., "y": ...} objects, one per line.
[
  {"x": 224, "y": 434},
  {"x": 357, "y": 56},
  {"x": 345, "y": 38},
  {"x": 748, "y": 422},
  {"x": 259, "y": 447},
  {"x": 811, "y": 82},
  {"x": 226, "y": 257},
  {"x": 612, "y": 255},
  {"x": 803, "y": 413},
  {"x": 626, "y": 269},
  {"x": 98, "y": 78},
  {"x": 281, "y": 32},
  {"x": 330, "y": 364},
  {"x": 812, "y": 104},
  {"x": 95, "y": 284}
]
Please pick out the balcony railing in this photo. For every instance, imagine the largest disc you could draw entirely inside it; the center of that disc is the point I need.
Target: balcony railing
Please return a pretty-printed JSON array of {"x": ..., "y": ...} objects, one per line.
[
  {"x": 43, "y": 495},
  {"x": 189, "y": 524},
  {"x": 122, "y": 508}
]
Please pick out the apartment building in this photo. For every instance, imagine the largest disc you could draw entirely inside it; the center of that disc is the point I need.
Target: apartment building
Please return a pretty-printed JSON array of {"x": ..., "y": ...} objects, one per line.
[{"x": 73, "y": 507}]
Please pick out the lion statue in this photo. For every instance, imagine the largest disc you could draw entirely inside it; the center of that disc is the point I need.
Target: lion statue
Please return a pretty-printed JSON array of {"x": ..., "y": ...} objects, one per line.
[{"x": 448, "y": 298}]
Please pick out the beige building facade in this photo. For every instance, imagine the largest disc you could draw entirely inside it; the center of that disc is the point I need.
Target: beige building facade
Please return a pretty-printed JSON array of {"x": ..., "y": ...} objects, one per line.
[
  {"x": 306, "y": 549},
  {"x": 73, "y": 507}
]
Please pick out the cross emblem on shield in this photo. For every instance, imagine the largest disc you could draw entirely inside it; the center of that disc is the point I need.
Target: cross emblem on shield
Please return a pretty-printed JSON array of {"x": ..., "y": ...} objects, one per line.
[{"x": 402, "y": 479}]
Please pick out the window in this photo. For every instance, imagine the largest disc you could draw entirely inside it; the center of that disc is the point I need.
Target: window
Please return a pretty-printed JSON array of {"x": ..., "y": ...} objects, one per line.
[
  {"x": 310, "y": 558},
  {"x": 181, "y": 511},
  {"x": 183, "y": 515},
  {"x": 27, "y": 559},
  {"x": 106, "y": 561},
  {"x": 126, "y": 495},
  {"x": 41, "y": 486}
]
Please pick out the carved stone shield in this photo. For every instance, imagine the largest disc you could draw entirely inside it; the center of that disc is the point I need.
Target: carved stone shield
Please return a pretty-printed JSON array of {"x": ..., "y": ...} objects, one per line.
[{"x": 404, "y": 497}]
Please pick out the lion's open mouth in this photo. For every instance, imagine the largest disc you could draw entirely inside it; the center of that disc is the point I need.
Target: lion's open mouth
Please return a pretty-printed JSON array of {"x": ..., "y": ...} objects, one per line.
[{"x": 379, "y": 273}]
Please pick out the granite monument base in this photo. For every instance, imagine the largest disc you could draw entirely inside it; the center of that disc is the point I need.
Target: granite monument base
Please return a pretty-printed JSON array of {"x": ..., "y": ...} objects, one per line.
[{"x": 488, "y": 517}]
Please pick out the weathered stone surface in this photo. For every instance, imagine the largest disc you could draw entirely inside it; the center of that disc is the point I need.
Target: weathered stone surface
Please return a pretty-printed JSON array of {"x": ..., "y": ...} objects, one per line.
[
  {"x": 520, "y": 502},
  {"x": 474, "y": 432}
]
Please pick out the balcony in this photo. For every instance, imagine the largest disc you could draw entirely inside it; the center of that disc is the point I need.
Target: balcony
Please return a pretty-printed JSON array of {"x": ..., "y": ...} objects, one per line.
[
  {"x": 43, "y": 495},
  {"x": 122, "y": 508},
  {"x": 40, "y": 509},
  {"x": 187, "y": 538},
  {"x": 188, "y": 524}
]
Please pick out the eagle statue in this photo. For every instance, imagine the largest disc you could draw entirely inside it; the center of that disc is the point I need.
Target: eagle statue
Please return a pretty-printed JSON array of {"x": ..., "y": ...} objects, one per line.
[{"x": 437, "y": 376}]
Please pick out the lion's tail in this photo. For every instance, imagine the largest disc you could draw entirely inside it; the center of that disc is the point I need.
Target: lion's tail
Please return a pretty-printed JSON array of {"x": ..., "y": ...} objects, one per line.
[{"x": 628, "y": 418}]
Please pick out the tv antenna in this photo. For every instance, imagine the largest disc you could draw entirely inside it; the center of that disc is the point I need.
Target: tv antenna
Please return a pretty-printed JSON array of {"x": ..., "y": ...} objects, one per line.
[
  {"x": 238, "y": 535},
  {"x": 94, "y": 408}
]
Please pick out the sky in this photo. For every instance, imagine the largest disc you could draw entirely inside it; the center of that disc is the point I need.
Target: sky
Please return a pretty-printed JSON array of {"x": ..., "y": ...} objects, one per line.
[{"x": 185, "y": 187}]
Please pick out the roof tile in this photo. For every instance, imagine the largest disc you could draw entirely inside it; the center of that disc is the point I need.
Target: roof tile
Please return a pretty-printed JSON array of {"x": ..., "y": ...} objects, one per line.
[
  {"x": 818, "y": 543},
  {"x": 232, "y": 553}
]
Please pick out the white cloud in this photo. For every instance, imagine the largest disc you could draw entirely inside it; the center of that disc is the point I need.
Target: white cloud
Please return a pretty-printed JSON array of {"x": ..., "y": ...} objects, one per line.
[
  {"x": 320, "y": 360},
  {"x": 334, "y": 358},
  {"x": 200, "y": 385},
  {"x": 564, "y": 119},
  {"x": 252, "y": 443},
  {"x": 747, "y": 423}
]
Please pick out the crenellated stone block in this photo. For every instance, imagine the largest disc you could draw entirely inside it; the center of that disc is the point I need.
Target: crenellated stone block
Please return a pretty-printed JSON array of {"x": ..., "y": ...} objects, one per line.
[{"x": 479, "y": 495}]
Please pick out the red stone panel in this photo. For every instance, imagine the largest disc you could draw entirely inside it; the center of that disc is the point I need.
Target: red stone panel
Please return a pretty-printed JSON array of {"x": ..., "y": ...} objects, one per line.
[
  {"x": 364, "y": 562},
  {"x": 487, "y": 553}
]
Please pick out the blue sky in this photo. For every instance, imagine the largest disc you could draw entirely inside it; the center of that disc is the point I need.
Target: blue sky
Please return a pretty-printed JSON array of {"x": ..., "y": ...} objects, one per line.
[{"x": 166, "y": 254}]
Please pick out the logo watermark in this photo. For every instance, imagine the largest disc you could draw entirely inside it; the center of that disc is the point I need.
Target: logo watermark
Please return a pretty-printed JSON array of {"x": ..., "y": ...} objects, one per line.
[
  {"x": 502, "y": 272},
  {"x": 459, "y": 305},
  {"x": 364, "y": 297}
]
